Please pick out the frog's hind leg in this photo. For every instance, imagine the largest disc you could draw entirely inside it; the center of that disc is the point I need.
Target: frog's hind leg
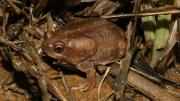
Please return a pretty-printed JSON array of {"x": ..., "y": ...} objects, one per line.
[
  {"x": 122, "y": 45},
  {"x": 90, "y": 71}
]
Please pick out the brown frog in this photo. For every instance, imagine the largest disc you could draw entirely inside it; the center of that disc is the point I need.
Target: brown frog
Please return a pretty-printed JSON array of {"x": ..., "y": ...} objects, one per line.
[{"x": 86, "y": 43}]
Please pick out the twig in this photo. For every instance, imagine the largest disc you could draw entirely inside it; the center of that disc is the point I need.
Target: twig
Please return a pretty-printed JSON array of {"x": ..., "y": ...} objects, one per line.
[
  {"x": 14, "y": 7},
  {"x": 43, "y": 86},
  {"x": 10, "y": 44},
  {"x": 17, "y": 1},
  {"x": 68, "y": 90},
  {"x": 5, "y": 20},
  {"x": 146, "y": 75},
  {"x": 148, "y": 88},
  {"x": 121, "y": 77},
  {"x": 41, "y": 18},
  {"x": 54, "y": 90},
  {"x": 107, "y": 96},
  {"x": 50, "y": 23},
  {"x": 142, "y": 14},
  {"x": 100, "y": 85},
  {"x": 93, "y": 7},
  {"x": 39, "y": 6},
  {"x": 171, "y": 42},
  {"x": 173, "y": 92}
]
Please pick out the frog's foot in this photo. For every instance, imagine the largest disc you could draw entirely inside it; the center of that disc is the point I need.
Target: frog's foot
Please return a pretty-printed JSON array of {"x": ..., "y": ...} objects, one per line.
[{"x": 88, "y": 68}]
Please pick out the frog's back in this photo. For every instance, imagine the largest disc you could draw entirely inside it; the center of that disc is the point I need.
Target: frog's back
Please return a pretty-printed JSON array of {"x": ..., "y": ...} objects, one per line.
[{"x": 92, "y": 27}]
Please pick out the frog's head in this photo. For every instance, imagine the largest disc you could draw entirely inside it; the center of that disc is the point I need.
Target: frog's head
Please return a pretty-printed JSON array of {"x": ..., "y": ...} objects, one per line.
[{"x": 72, "y": 48}]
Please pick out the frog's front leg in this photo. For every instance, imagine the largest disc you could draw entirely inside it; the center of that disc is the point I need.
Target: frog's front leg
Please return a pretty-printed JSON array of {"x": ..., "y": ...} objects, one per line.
[{"x": 88, "y": 68}]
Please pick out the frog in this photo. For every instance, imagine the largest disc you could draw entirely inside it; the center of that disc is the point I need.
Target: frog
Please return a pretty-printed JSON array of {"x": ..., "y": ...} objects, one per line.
[{"x": 86, "y": 43}]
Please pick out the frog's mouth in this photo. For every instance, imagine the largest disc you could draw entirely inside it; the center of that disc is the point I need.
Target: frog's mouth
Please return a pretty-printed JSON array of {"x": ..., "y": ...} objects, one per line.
[{"x": 60, "y": 61}]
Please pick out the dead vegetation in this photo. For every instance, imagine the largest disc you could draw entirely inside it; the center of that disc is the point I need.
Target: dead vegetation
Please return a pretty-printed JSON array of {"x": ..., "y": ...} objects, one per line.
[{"x": 149, "y": 71}]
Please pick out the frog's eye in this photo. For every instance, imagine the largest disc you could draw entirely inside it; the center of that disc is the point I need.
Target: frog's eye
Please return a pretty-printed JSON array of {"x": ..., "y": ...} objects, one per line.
[{"x": 59, "y": 47}]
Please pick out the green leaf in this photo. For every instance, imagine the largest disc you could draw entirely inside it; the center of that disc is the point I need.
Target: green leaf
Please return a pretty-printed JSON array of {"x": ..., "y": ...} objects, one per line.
[
  {"x": 148, "y": 23},
  {"x": 162, "y": 31},
  {"x": 149, "y": 27}
]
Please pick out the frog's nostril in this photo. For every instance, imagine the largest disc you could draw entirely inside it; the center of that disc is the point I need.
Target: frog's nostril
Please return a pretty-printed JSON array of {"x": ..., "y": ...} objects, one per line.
[{"x": 43, "y": 53}]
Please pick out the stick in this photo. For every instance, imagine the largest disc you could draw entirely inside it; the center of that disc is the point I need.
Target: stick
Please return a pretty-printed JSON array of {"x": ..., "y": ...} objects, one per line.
[
  {"x": 14, "y": 7},
  {"x": 100, "y": 85},
  {"x": 142, "y": 14},
  {"x": 148, "y": 88}
]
